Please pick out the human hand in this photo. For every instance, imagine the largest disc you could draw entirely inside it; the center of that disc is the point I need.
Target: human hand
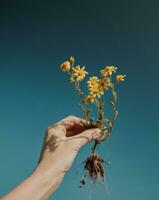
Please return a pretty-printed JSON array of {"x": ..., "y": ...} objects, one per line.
[{"x": 62, "y": 142}]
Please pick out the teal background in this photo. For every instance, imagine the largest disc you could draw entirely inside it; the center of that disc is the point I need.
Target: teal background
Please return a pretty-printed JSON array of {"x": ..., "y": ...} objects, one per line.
[{"x": 35, "y": 37}]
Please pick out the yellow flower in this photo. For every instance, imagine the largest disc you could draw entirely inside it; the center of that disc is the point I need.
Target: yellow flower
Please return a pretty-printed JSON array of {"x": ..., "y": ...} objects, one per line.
[
  {"x": 94, "y": 86},
  {"x": 72, "y": 60},
  {"x": 65, "y": 66},
  {"x": 108, "y": 70},
  {"x": 120, "y": 77},
  {"x": 79, "y": 73},
  {"x": 103, "y": 84},
  {"x": 89, "y": 99}
]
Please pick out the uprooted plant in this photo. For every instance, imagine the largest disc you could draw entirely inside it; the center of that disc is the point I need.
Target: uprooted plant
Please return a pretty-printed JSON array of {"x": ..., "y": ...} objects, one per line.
[{"x": 97, "y": 88}]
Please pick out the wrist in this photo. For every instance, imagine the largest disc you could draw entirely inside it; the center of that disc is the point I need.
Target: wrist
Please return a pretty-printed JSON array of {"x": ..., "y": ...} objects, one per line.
[{"x": 47, "y": 169}]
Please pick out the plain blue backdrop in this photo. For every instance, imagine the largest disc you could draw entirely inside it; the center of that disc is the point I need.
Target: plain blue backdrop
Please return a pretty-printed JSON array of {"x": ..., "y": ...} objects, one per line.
[{"x": 35, "y": 37}]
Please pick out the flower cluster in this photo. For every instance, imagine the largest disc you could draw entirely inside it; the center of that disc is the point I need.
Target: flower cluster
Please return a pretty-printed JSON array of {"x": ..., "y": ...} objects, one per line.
[
  {"x": 77, "y": 73},
  {"x": 97, "y": 87}
]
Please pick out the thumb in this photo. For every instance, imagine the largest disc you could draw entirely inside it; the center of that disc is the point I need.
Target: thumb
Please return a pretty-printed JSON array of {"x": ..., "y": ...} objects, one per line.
[{"x": 86, "y": 136}]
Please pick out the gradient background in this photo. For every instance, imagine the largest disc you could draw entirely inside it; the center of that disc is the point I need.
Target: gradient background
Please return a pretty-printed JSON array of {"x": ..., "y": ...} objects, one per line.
[{"x": 35, "y": 37}]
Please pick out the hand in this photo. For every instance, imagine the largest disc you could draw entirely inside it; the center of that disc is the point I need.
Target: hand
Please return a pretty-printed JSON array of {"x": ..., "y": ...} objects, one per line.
[{"x": 62, "y": 142}]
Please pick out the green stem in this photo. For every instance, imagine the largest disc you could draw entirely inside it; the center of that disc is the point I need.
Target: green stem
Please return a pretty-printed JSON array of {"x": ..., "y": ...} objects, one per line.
[
  {"x": 95, "y": 146},
  {"x": 83, "y": 105},
  {"x": 114, "y": 107},
  {"x": 82, "y": 97},
  {"x": 100, "y": 120}
]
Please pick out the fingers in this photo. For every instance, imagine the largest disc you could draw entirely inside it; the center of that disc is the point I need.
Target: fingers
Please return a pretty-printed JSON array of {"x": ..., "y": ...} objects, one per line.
[
  {"x": 71, "y": 125},
  {"x": 69, "y": 121},
  {"x": 86, "y": 136}
]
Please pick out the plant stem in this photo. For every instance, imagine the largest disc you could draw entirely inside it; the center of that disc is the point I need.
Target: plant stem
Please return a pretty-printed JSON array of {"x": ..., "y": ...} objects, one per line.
[
  {"x": 95, "y": 146},
  {"x": 100, "y": 120},
  {"x": 114, "y": 108},
  {"x": 82, "y": 97},
  {"x": 81, "y": 94}
]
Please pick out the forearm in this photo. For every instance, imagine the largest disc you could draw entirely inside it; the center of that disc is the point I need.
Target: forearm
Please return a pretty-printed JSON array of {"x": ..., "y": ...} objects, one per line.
[{"x": 39, "y": 186}]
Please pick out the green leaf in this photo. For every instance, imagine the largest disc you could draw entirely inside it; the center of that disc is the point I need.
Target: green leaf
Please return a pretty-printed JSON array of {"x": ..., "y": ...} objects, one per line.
[{"x": 107, "y": 121}]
